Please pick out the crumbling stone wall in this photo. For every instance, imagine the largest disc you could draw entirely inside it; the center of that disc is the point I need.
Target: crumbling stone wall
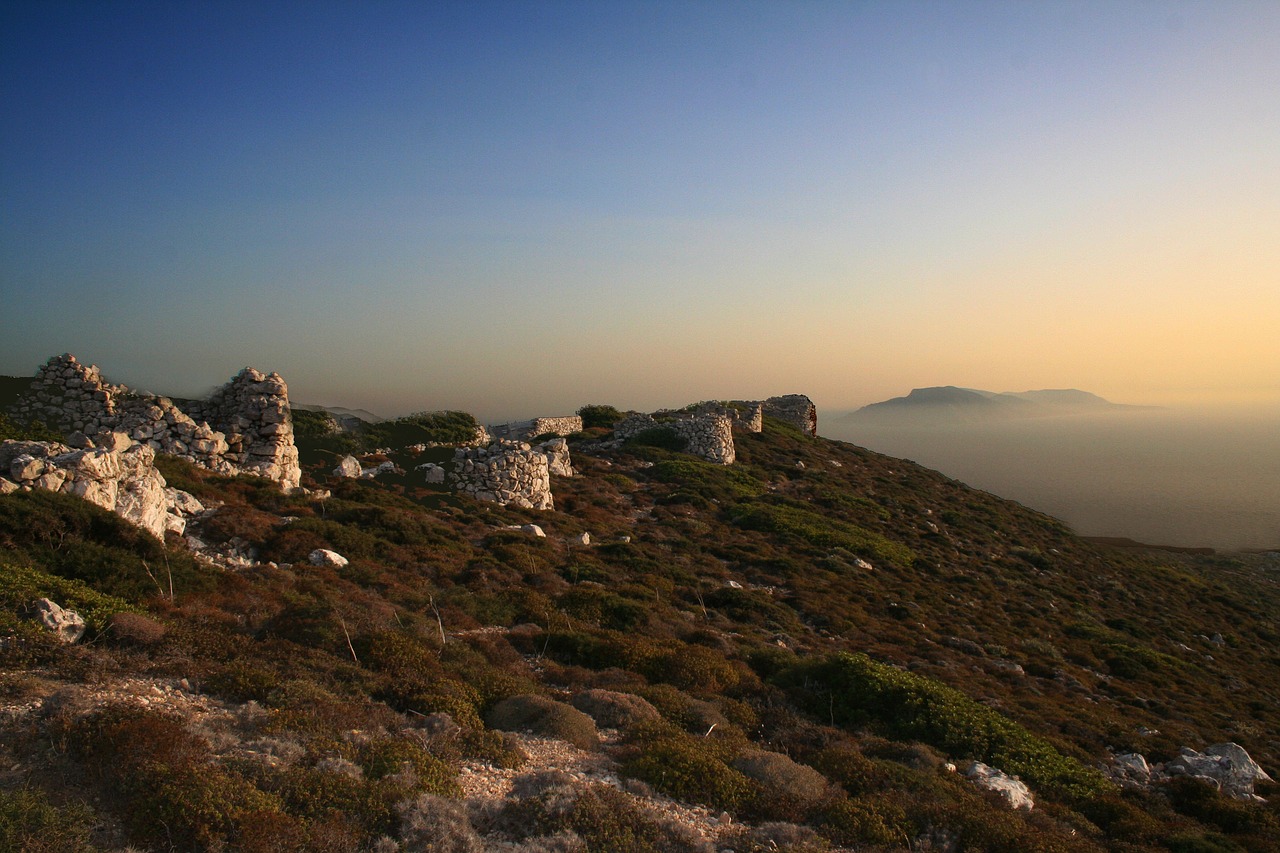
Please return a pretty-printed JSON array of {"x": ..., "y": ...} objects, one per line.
[
  {"x": 796, "y": 409},
  {"x": 244, "y": 427},
  {"x": 745, "y": 415},
  {"x": 525, "y": 430},
  {"x": 505, "y": 472},
  {"x": 708, "y": 435}
]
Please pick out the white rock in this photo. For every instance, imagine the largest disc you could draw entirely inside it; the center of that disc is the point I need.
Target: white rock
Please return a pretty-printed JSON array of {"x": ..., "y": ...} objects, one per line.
[
  {"x": 67, "y": 624},
  {"x": 348, "y": 467},
  {"x": 1016, "y": 794},
  {"x": 325, "y": 557},
  {"x": 1227, "y": 764},
  {"x": 584, "y": 539}
]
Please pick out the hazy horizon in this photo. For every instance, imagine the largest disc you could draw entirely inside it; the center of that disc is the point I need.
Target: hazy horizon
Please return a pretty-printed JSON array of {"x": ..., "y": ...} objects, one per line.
[
  {"x": 517, "y": 207},
  {"x": 1182, "y": 476}
]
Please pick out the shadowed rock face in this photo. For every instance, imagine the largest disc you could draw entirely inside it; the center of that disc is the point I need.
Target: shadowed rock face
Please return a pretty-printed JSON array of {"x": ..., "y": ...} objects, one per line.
[{"x": 245, "y": 427}]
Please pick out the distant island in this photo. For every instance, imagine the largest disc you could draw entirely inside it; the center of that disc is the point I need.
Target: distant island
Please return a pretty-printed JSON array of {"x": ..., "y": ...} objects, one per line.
[{"x": 948, "y": 403}]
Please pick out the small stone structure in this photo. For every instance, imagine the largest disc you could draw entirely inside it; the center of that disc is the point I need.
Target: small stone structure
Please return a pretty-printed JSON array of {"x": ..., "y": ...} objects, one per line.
[
  {"x": 244, "y": 427},
  {"x": 708, "y": 435},
  {"x": 505, "y": 472},
  {"x": 119, "y": 476},
  {"x": 525, "y": 430},
  {"x": 745, "y": 415},
  {"x": 795, "y": 409}
]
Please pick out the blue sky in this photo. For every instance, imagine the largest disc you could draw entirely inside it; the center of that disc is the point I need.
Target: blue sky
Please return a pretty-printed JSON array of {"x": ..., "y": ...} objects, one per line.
[{"x": 518, "y": 208}]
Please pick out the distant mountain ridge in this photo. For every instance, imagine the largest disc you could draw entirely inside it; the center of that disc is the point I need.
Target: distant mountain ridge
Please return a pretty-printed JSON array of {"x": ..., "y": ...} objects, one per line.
[{"x": 952, "y": 403}]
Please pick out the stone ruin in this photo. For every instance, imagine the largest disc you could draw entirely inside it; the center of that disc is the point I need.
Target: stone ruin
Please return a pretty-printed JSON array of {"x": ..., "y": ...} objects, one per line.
[
  {"x": 708, "y": 427},
  {"x": 244, "y": 427},
  {"x": 505, "y": 472},
  {"x": 526, "y": 430},
  {"x": 708, "y": 435},
  {"x": 795, "y": 409}
]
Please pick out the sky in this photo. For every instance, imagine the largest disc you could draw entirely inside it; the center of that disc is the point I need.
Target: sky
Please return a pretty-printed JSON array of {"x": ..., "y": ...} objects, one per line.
[{"x": 516, "y": 209}]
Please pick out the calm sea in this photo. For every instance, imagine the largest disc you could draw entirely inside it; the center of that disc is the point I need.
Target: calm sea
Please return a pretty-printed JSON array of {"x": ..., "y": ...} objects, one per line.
[{"x": 1167, "y": 477}]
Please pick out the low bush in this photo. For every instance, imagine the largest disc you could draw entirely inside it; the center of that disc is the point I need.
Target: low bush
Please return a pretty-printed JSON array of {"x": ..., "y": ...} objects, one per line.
[
  {"x": 615, "y": 710},
  {"x": 819, "y": 530},
  {"x": 789, "y": 789},
  {"x": 908, "y": 705},
  {"x": 595, "y": 415},
  {"x": 545, "y": 717},
  {"x": 29, "y": 822},
  {"x": 691, "y": 769}
]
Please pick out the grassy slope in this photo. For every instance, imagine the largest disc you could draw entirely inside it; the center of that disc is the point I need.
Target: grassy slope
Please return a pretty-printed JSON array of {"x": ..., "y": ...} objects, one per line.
[{"x": 981, "y": 630}]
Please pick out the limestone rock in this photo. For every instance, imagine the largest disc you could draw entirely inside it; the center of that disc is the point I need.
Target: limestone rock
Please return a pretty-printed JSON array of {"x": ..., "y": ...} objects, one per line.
[
  {"x": 558, "y": 461},
  {"x": 67, "y": 624},
  {"x": 348, "y": 467},
  {"x": 327, "y": 558},
  {"x": 1226, "y": 764},
  {"x": 1015, "y": 793},
  {"x": 125, "y": 482}
]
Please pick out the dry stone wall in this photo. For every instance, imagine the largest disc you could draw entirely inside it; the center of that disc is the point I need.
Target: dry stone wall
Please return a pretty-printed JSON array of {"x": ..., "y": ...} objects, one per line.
[
  {"x": 505, "y": 472},
  {"x": 795, "y": 409},
  {"x": 244, "y": 427},
  {"x": 708, "y": 435},
  {"x": 525, "y": 430}
]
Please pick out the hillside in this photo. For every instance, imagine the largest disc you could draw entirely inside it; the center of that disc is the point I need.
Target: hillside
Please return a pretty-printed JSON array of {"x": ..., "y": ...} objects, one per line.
[
  {"x": 947, "y": 403},
  {"x": 796, "y": 651}
]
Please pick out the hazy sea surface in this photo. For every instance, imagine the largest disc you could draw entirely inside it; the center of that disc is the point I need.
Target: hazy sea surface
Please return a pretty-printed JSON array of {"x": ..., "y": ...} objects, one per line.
[{"x": 1161, "y": 476}]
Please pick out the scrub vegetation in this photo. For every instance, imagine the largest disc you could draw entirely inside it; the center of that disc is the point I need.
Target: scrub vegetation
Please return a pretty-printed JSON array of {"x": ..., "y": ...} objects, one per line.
[{"x": 804, "y": 640}]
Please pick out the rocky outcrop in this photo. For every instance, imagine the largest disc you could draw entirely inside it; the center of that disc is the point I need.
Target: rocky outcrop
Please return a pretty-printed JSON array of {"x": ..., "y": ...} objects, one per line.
[
  {"x": 505, "y": 472},
  {"x": 244, "y": 427},
  {"x": 1015, "y": 793},
  {"x": 119, "y": 476},
  {"x": 1224, "y": 766},
  {"x": 795, "y": 409}
]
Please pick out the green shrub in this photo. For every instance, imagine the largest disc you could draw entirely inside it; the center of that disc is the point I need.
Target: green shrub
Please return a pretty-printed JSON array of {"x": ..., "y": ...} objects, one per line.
[
  {"x": 22, "y": 584},
  {"x": 615, "y": 710},
  {"x": 866, "y": 820},
  {"x": 545, "y": 717},
  {"x": 691, "y": 769},
  {"x": 32, "y": 824},
  {"x": 661, "y": 437},
  {"x": 789, "y": 789},
  {"x": 819, "y": 530},
  {"x": 911, "y": 706},
  {"x": 725, "y": 483},
  {"x": 387, "y": 756},
  {"x": 594, "y": 415}
]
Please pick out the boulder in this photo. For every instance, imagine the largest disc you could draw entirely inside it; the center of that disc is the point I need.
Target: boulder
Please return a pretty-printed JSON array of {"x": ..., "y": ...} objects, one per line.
[
  {"x": 67, "y": 624},
  {"x": 348, "y": 467},
  {"x": 325, "y": 557},
  {"x": 1227, "y": 765},
  {"x": 1015, "y": 793}
]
